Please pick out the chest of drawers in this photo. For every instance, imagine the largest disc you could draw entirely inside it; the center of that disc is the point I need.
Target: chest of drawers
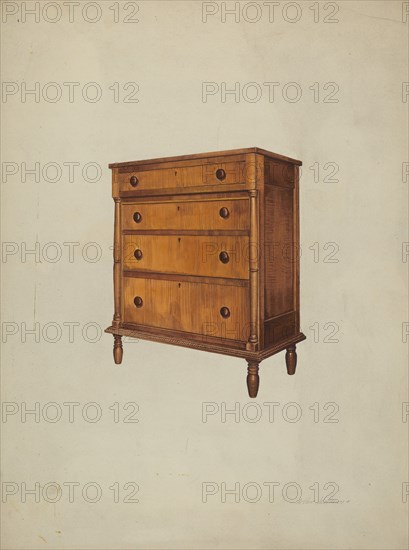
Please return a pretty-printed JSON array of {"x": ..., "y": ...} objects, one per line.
[{"x": 206, "y": 254}]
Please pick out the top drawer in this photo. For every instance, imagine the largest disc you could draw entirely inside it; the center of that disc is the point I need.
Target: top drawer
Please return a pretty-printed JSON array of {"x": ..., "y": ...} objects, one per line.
[{"x": 134, "y": 179}]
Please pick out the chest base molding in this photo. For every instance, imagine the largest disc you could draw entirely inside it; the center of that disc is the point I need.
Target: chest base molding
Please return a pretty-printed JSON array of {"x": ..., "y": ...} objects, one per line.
[{"x": 223, "y": 349}]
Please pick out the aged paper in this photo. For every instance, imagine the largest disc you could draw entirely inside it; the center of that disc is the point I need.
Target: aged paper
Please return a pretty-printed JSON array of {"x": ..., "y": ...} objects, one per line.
[{"x": 167, "y": 451}]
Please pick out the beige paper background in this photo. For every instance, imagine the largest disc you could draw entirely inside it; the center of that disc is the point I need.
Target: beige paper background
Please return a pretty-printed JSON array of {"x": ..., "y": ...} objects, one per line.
[{"x": 170, "y": 452}]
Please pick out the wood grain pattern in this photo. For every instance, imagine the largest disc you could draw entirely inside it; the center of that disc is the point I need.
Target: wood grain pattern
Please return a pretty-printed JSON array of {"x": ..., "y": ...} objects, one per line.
[
  {"x": 209, "y": 155},
  {"x": 279, "y": 251},
  {"x": 253, "y": 379},
  {"x": 203, "y": 190},
  {"x": 254, "y": 273},
  {"x": 190, "y": 307},
  {"x": 181, "y": 176},
  {"x": 279, "y": 173},
  {"x": 118, "y": 350},
  {"x": 195, "y": 255},
  {"x": 187, "y": 278},
  {"x": 200, "y": 342},
  {"x": 297, "y": 249},
  {"x": 260, "y": 186},
  {"x": 281, "y": 327},
  {"x": 191, "y": 214},
  {"x": 206, "y": 254},
  {"x": 117, "y": 263},
  {"x": 291, "y": 359}
]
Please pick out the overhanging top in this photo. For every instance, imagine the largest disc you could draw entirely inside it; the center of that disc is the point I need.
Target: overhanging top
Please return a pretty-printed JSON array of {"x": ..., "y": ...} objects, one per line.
[{"x": 210, "y": 155}]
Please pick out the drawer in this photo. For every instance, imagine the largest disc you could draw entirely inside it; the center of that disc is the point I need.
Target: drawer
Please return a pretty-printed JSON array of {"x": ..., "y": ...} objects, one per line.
[
  {"x": 208, "y": 309},
  {"x": 192, "y": 214},
  {"x": 211, "y": 256},
  {"x": 139, "y": 179}
]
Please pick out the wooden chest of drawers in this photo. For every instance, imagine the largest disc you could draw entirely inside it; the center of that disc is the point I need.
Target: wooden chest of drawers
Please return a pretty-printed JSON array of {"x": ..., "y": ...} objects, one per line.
[{"x": 206, "y": 254}]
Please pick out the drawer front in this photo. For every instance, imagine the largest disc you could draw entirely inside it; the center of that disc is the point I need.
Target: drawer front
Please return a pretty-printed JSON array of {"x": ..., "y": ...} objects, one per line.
[
  {"x": 208, "y": 309},
  {"x": 217, "y": 214},
  {"x": 211, "y": 256},
  {"x": 181, "y": 176}
]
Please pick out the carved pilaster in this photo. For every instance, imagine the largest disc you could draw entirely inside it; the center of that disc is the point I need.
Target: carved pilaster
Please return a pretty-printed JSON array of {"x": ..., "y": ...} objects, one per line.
[
  {"x": 253, "y": 340},
  {"x": 117, "y": 263}
]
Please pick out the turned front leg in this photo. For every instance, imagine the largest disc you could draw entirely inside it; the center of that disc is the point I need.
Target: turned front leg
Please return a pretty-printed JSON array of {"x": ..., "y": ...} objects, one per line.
[
  {"x": 291, "y": 359},
  {"x": 253, "y": 379},
  {"x": 118, "y": 351}
]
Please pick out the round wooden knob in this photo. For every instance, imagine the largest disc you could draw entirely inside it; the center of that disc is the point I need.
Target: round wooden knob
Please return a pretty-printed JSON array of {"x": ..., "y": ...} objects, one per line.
[
  {"x": 138, "y": 301},
  {"x": 220, "y": 174},
  {"x": 138, "y": 254},
  {"x": 133, "y": 180},
  {"x": 225, "y": 312},
  {"x": 137, "y": 217},
  {"x": 224, "y": 257},
  {"x": 224, "y": 212}
]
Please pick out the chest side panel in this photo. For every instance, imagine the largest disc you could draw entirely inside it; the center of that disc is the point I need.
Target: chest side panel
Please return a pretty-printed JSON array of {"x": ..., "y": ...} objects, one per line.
[{"x": 280, "y": 251}]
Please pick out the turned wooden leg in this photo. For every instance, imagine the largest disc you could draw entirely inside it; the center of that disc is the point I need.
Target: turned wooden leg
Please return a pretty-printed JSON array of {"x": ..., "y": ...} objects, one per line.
[
  {"x": 118, "y": 349},
  {"x": 253, "y": 379},
  {"x": 291, "y": 359}
]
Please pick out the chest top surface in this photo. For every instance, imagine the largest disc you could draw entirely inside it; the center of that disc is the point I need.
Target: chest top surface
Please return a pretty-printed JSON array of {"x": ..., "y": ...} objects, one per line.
[{"x": 212, "y": 154}]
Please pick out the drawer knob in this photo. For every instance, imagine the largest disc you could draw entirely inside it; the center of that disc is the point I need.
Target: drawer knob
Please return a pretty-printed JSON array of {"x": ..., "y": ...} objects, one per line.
[
  {"x": 138, "y": 254},
  {"x": 224, "y": 257},
  {"x": 220, "y": 174},
  {"x": 224, "y": 212},
  {"x": 225, "y": 312},
  {"x": 137, "y": 217},
  {"x": 133, "y": 180},
  {"x": 138, "y": 301}
]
